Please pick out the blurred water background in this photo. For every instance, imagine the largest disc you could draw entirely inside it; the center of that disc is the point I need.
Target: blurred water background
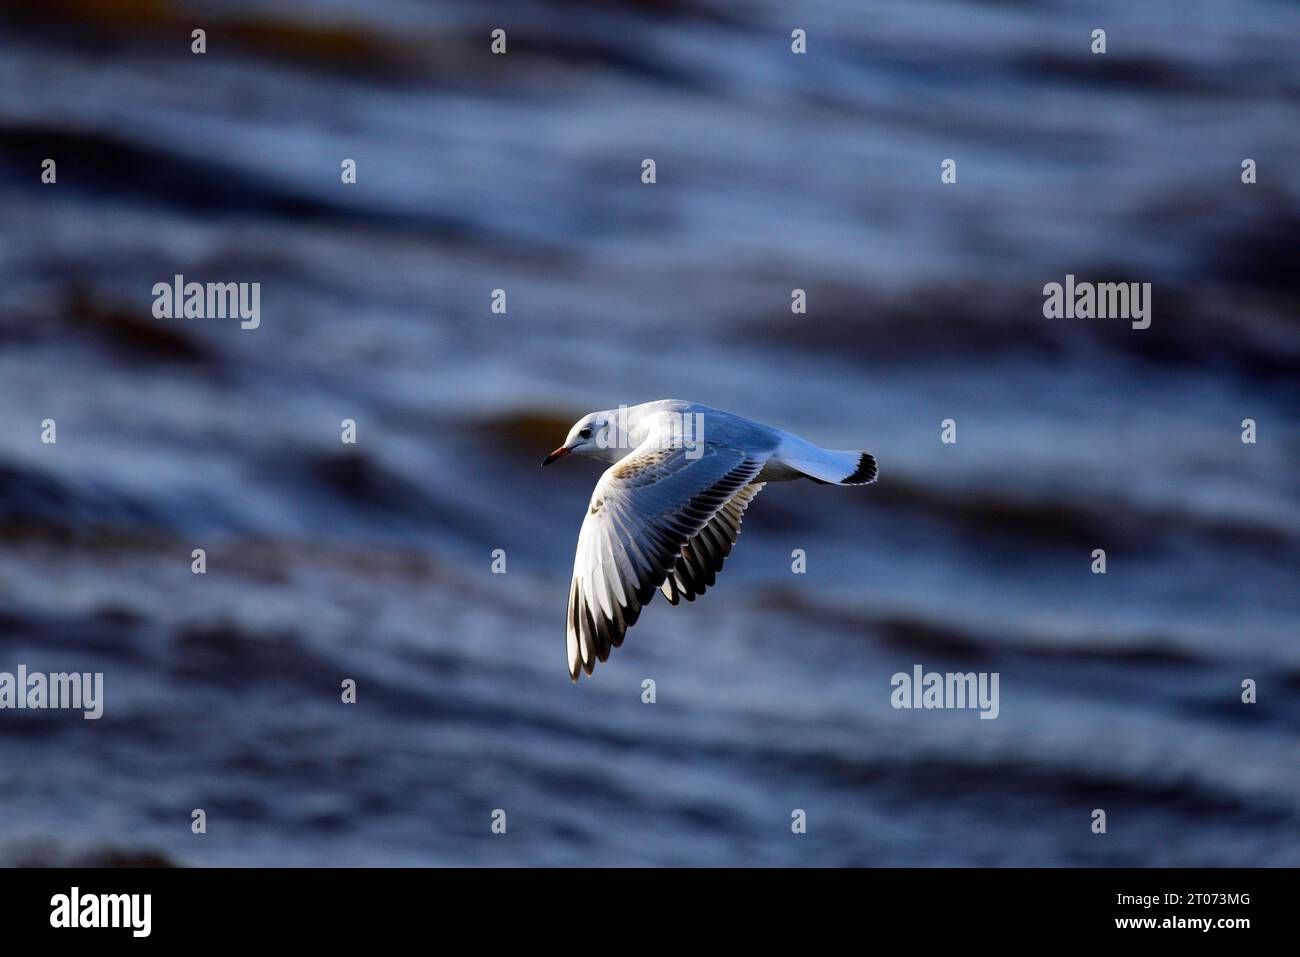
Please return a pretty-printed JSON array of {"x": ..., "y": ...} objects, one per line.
[{"x": 522, "y": 172}]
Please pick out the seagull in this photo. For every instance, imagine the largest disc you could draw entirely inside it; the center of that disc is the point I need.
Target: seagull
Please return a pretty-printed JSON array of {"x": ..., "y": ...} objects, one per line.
[{"x": 666, "y": 513}]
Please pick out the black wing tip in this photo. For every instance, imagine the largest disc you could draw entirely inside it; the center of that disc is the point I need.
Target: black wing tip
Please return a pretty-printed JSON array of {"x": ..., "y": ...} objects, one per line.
[{"x": 590, "y": 628}]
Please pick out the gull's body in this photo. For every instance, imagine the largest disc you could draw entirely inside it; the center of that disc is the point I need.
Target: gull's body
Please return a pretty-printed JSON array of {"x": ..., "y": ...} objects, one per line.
[{"x": 666, "y": 513}]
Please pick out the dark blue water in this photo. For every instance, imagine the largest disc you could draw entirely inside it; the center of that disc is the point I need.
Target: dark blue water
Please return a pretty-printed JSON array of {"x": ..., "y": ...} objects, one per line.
[{"x": 373, "y": 561}]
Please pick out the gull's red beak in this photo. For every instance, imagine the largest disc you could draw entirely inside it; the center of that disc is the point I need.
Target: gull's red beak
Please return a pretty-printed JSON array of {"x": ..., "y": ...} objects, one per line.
[{"x": 559, "y": 453}]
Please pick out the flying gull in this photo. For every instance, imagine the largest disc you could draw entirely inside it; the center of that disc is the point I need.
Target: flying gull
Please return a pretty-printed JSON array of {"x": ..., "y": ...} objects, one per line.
[{"x": 667, "y": 512}]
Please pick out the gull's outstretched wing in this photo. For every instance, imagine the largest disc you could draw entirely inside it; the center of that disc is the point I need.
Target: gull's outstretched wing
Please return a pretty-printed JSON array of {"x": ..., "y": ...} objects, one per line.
[
  {"x": 702, "y": 557},
  {"x": 645, "y": 510}
]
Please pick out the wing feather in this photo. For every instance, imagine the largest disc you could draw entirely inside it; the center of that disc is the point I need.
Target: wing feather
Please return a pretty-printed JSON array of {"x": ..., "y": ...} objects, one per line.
[
  {"x": 643, "y": 530},
  {"x": 701, "y": 559}
]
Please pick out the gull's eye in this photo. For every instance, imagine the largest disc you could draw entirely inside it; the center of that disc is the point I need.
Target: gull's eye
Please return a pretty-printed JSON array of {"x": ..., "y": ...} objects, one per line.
[{"x": 585, "y": 433}]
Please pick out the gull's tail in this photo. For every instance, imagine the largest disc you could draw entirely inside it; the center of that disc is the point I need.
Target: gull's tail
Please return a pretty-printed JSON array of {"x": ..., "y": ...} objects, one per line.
[{"x": 833, "y": 466}]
